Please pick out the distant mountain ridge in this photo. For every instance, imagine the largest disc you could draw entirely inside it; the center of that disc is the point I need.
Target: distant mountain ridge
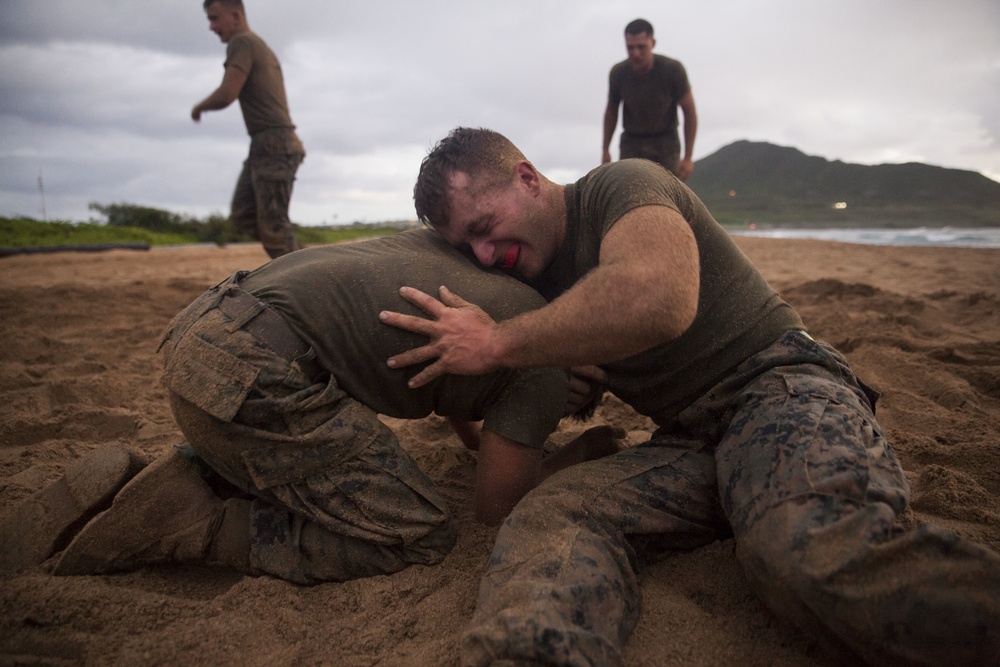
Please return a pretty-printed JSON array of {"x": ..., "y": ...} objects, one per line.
[{"x": 758, "y": 182}]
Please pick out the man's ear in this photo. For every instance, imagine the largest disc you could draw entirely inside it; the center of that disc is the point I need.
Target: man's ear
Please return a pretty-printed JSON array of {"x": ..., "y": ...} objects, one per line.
[{"x": 527, "y": 176}]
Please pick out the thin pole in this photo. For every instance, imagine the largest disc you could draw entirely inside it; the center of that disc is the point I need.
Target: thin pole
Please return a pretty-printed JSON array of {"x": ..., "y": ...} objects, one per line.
[{"x": 41, "y": 191}]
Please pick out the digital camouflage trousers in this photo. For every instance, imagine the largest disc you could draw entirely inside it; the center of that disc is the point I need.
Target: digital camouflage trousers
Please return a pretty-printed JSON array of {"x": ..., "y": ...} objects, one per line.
[
  {"x": 663, "y": 149},
  {"x": 785, "y": 456},
  {"x": 263, "y": 192},
  {"x": 334, "y": 495}
]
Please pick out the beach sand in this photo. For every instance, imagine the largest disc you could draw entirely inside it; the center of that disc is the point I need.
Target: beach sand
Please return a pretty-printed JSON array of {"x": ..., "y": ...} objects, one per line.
[{"x": 78, "y": 369}]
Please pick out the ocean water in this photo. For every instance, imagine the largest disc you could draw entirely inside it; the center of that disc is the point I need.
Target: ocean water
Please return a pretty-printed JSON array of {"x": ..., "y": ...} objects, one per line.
[{"x": 959, "y": 237}]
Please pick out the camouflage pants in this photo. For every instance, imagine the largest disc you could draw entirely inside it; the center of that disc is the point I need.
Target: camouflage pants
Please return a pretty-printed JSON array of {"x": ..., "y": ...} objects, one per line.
[
  {"x": 335, "y": 496},
  {"x": 264, "y": 191},
  {"x": 663, "y": 149},
  {"x": 786, "y": 456}
]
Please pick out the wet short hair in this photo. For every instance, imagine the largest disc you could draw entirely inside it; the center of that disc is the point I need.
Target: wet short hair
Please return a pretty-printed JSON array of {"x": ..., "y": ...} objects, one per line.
[
  {"x": 639, "y": 26},
  {"x": 231, "y": 4},
  {"x": 486, "y": 156}
]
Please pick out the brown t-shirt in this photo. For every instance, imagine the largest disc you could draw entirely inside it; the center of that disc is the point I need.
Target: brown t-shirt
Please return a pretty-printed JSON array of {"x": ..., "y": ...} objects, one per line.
[
  {"x": 331, "y": 296},
  {"x": 262, "y": 99},
  {"x": 738, "y": 312},
  {"x": 651, "y": 98}
]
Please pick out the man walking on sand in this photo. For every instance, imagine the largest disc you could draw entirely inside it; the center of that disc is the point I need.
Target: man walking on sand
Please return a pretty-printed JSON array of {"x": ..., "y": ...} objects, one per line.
[
  {"x": 276, "y": 378},
  {"x": 253, "y": 75},
  {"x": 649, "y": 87},
  {"x": 765, "y": 434}
]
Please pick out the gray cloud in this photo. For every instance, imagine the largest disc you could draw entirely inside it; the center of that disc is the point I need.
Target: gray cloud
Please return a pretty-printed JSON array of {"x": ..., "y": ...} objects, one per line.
[{"x": 96, "y": 95}]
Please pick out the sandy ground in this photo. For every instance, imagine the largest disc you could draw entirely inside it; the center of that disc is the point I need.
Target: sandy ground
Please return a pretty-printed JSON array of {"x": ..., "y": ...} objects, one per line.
[{"x": 78, "y": 369}]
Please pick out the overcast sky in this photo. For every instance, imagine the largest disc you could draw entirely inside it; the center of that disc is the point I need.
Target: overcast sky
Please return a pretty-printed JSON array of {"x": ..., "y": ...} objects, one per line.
[{"x": 95, "y": 95}]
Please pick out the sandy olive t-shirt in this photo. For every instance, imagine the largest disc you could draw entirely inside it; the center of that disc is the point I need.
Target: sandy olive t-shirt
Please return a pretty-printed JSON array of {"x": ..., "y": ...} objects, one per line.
[
  {"x": 332, "y": 295},
  {"x": 262, "y": 99},
  {"x": 738, "y": 312}
]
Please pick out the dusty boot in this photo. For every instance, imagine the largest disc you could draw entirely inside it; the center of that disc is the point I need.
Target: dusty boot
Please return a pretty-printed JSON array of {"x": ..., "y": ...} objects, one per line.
[
  {"x": 44, "y": 523},
  {"x": 166, "y": 513},
  {"x": 231, "y": 544}
]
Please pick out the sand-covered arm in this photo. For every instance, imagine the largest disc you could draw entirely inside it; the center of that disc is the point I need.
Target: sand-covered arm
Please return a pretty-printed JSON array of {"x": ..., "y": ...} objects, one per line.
[
  {"x": 643, "y": 292},
  {"x": 507, "y": 469}
]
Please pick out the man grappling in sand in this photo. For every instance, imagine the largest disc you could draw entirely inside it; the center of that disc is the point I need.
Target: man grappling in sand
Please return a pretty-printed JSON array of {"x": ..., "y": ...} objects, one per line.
[{"x": 276, "y": 378}]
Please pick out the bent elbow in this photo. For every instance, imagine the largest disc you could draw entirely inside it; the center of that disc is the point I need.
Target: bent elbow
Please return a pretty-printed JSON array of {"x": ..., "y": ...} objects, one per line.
[
  {"x": 685, "y": 297},
  {"x": 676, "y": 313},
  {"x": 688, "y": 311}
]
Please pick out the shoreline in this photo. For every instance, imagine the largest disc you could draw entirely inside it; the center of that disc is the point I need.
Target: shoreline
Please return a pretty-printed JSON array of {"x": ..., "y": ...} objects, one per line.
[{"x": 941, "y": 237}]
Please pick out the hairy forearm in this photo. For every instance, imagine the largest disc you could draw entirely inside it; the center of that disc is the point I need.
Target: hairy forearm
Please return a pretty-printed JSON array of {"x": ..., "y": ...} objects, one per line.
[
  {"x": 607, "y": 316},
  {"x": 643, "y": 292}
]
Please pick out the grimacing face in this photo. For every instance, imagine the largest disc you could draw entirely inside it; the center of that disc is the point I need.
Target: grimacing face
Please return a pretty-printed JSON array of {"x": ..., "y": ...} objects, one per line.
[
  {"x": 640, "y": 51},
  {"x": 504, "y": 226}
]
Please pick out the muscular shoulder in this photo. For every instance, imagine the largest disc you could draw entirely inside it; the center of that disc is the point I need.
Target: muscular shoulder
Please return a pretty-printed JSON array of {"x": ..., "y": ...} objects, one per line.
[
  {"x": 612, "y": 190},
  {"x": 670, "y": 69},
  {"x": 245, "y": 49},
  {"x": 240, "y": 43},
  {"x": 629, "y": 180}
]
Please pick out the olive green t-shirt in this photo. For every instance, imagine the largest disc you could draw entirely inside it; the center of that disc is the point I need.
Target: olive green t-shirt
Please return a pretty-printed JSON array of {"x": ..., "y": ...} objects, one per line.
[
  {"x": 650, "y": 99},
  {"x": 332, "y": 295},
  {"x": 738, "y": 312},
  {"x": 262, "y": 99}
]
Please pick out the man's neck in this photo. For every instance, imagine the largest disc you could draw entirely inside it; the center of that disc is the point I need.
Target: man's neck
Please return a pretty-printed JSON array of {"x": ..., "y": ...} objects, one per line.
[
  {"x": 557, "y": 205},
  {"x": 643, "y": 69}
]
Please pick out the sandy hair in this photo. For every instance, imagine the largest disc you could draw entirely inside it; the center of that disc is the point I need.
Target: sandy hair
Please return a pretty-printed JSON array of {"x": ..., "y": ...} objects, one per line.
[{"x": 486, "y": 156}]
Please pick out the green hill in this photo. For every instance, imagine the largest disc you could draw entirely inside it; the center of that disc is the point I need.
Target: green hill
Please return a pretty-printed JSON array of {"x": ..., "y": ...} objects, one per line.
[{"x": 757, "y": 182}]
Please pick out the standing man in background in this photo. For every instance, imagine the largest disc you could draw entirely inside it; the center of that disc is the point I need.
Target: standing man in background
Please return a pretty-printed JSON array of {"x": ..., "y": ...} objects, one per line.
[
  {"x": 253, "y": 75},
  {"x": 650, "y": 87}
]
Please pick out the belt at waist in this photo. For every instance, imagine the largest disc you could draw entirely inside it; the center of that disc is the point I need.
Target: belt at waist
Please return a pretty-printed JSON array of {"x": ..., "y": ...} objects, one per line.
[
  {"x": 256, "y": 317},
  {"x": 666, "y": 134}
]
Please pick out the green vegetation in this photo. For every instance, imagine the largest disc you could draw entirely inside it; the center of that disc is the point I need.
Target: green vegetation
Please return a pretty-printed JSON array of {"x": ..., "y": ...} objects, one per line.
[
  {"x": 129, "y": 223},
  {"x": 28, "y": 233},
  {"x": 327, "y": 235}
]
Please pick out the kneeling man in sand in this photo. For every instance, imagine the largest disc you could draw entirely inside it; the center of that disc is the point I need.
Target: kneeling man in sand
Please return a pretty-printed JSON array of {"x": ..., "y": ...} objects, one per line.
[{"x": 276, "y": 378}]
